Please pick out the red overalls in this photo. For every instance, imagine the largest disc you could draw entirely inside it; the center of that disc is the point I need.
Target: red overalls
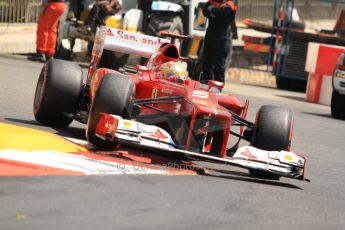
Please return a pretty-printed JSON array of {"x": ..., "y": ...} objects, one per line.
[{"x": 47, "y": 27}]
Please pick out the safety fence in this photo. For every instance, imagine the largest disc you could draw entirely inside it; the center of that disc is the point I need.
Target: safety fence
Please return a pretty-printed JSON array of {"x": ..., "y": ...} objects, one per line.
[
  {"x": 307, "y": 9},
  {"x": 19, "y": 11},
  {"x": 27, "y": 11}
]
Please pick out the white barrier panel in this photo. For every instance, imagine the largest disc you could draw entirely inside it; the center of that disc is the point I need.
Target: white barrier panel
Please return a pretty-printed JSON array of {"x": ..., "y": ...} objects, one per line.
[{"x": 320, "y": 63}]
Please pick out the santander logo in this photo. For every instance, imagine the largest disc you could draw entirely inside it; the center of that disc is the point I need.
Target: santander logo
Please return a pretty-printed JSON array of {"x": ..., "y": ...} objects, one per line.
[
  {"x": 133, "y": 37},
  {"x": 110, "y": 33}
]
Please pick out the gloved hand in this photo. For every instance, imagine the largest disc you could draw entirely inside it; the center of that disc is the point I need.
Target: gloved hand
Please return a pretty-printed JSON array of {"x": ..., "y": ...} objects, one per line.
[
  {"x": 209, "y": 8},
  {"x": 112, "y": 8},
  {"x": 107, "y": 8}
]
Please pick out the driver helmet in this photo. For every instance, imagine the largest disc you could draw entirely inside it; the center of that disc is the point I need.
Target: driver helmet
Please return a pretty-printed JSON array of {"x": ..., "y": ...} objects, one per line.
[{"x": 175, "y": 71}]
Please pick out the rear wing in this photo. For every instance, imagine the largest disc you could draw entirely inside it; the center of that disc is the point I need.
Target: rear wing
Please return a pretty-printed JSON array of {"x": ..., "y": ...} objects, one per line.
[{"x": 127, "y": 42}]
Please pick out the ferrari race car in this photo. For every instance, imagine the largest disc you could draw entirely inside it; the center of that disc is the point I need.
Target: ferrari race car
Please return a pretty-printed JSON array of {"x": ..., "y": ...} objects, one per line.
[{"x": 157, "y": 107}]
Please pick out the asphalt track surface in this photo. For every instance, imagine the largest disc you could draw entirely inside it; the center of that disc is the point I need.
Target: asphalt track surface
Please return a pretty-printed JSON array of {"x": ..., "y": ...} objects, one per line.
[{"x": 227, "y": 199}]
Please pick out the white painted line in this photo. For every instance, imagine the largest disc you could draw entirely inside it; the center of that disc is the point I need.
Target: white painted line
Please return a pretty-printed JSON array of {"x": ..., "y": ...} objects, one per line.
[
  {"x": 78, "y": 141},
  {"x": 77, "y": 163}
]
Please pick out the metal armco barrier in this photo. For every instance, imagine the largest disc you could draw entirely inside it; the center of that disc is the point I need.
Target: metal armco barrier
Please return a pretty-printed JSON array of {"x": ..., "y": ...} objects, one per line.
[
  {"x": 19, "y": 11},
  {"x": 307, "y": 9},
  {"x": 27, "y": 11}
]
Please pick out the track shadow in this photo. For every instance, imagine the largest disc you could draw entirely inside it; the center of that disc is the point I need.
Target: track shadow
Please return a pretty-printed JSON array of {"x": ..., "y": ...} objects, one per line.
[
  {"x": 295, "y": 98},
  {"x": 26, "y": 122},
  {"x": 329, "y": 116},
  {"x": 246, "y": 177},
  {"x": 72, "y": 132},
  {"x": 153, "y": 158}
]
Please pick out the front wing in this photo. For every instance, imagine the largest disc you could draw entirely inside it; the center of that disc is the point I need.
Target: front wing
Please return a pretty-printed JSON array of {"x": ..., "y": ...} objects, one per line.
[{"x": 117, "y": 130}]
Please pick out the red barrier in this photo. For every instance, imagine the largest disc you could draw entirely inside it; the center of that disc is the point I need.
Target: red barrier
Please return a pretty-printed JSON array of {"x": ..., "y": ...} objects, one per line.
[{"x": 320, "y": 63}]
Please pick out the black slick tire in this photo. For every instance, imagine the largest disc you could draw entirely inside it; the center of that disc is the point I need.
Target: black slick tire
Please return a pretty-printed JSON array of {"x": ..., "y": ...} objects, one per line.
[
  {"x": 113, "y": 97},
  {"x": 164, "y": 22},
  {"x": 57, "y": 93},
  {"x": 272, "y": 132},
  {"x": 338, "y": 105}
]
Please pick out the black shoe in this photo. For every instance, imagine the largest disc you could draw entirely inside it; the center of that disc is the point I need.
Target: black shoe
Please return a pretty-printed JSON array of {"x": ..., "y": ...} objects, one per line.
[
  {"x": 48, "y": 57},
  {"x": 37, "y": 57}
]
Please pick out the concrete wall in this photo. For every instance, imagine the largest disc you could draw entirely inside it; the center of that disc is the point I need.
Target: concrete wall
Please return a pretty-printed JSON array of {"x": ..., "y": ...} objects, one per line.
[{"x": 17, "y": 38}]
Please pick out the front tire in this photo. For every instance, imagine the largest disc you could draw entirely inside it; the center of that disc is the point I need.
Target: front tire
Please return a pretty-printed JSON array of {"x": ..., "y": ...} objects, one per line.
[
  {"x": 113, "y": 97},
  {"x": 273, "y": 132},
  {"x": 338, "y": 105},
  {"x": 57, "y": 93}
]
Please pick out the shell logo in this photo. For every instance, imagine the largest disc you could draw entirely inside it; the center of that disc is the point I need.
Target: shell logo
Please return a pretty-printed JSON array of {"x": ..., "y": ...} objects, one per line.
[
  {"x": 288, "y": 157},
  {"x": 127, "y": 124}
]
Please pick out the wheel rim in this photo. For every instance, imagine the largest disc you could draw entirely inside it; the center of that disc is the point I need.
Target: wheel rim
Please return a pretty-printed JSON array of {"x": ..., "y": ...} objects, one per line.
[{"x": 40, "y": 89}]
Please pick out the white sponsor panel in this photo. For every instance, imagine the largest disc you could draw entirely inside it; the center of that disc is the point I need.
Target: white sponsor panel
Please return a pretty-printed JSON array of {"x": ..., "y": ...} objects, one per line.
[{"x": 131, "y": 43}]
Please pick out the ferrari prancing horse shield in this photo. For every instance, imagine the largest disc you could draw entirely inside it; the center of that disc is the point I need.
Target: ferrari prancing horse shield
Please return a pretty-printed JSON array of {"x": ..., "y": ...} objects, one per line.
[{"x": 154, "y": 92}]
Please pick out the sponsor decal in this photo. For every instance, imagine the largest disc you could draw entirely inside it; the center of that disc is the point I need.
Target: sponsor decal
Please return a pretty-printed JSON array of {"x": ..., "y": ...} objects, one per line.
[
  {"x": 288, "y": 157},
  {"x": 155, "y": 5},
  {"x": 137, "y": 38},
  {"x": 110, "y": 33},
  {"x": 167, "y": 91},
  {"x": 200, "y": 94},
  {"x": 127, "y": 124},
  {"x": 340, "y": 74},
  {"x": 248, "y": 154},
  {"x": 159, "y": 134}
]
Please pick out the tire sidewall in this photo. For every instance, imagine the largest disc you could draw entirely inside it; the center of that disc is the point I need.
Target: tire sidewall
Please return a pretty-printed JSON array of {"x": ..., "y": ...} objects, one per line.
[
  {"x": 113, "y": 96},
  {"x": 273, "y": 129},
  {"x": 338, "y": 105},
  {"x": 57, "y": 92},
  {"x": 273, "y": 132},
  {"x": 159, "y": 20}
]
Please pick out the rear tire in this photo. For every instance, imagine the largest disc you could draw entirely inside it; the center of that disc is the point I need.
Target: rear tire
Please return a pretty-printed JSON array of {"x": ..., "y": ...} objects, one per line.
[
  {"x": 164, "y": 22},
  {"x": 112, "y": 96},
  {"x": 273, "y": 133},
  {"x": 113, "y": 60},
  {"x": 338, "y": 105},
  {"x": 57, "y": 93}
]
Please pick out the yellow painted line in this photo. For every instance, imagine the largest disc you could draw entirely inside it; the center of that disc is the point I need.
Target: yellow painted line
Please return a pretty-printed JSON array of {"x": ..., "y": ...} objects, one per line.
[{"x": 21, "y": 138}]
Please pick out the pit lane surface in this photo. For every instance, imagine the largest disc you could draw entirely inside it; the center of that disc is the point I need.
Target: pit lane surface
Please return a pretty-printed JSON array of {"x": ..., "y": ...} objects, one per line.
[{"x": 223, "y": 200}]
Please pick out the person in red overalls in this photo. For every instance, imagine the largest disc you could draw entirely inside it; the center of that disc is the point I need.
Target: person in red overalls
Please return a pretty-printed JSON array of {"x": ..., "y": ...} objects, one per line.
[{"x": 46, "y": 30}]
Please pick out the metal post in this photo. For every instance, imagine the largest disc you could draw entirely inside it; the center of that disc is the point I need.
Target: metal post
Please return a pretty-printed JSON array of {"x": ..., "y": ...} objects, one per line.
[{"x": 271, "y": 53}]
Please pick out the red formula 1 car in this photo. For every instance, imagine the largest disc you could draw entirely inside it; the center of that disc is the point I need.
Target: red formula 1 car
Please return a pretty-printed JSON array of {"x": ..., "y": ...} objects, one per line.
[{"x": 157, "y": 107}]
